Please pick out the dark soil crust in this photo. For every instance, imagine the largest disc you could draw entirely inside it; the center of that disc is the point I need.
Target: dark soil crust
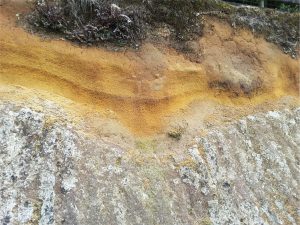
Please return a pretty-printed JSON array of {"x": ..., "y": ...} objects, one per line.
[{"x": 127, "y": 23}]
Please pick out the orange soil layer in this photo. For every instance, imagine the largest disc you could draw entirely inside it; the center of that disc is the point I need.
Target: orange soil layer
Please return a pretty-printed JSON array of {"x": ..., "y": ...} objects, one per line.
[{"x": 142, "y": 87}]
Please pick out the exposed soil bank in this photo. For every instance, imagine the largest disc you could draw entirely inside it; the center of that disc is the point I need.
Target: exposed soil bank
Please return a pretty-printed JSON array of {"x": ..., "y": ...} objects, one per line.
[{"x": 142, "y": 88}]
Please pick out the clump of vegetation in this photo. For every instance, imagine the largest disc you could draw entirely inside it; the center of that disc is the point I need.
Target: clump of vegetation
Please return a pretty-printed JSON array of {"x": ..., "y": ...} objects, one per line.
[
  {"x": 183, "y": 16},
  {"x": 88, "y": 21},
  {"x": 175, "y": 134},
  {"x": 277, "y": 27},
  {"x": 127, "y": 22},
  {"x": 119, "y": 21},
  {"x": 177, "y": 131},
  {"x": 289, "y": 8}
]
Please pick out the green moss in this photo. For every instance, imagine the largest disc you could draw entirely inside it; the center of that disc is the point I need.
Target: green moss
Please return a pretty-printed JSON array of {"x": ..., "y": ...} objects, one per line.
[
  {"x": 146, "y": 145},
  {"x": 118, "y": 161},
  {"x": 36, "y": 216},
  {"x": 206, "y": 221}
]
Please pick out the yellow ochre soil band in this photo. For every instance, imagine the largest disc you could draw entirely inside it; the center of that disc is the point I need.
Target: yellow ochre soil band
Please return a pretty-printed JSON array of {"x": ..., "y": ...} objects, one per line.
[{"x": 145, "y": 86}]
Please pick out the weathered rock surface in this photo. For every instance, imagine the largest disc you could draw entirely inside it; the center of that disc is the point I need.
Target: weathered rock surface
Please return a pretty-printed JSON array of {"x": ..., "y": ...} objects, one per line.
[{"x": 244, "y": 173}]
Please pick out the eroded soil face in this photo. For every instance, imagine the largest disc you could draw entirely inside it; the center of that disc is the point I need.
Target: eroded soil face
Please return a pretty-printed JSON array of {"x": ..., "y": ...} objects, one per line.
[{"x": 142, "y": 88}]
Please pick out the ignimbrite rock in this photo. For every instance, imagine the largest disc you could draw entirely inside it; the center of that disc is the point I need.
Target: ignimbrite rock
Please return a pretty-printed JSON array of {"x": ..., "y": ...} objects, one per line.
[{"x": 245, "y": 173}]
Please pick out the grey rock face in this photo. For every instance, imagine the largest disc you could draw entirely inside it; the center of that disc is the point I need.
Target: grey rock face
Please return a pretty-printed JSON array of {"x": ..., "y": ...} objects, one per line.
[
  {"x": 250, "y": 170},
  {"x": 245, "y": 173},
  {"x": 37, "y": 166}
]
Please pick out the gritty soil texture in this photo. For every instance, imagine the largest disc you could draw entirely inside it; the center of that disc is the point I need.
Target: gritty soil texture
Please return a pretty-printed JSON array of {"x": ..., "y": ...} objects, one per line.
[{"x": 146, "y": 89}]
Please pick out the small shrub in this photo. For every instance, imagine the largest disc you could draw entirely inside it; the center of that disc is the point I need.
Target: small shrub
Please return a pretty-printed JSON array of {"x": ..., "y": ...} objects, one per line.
[
  {"x": 119, "y": 21},
  {"x": 88, "y": 22}
]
